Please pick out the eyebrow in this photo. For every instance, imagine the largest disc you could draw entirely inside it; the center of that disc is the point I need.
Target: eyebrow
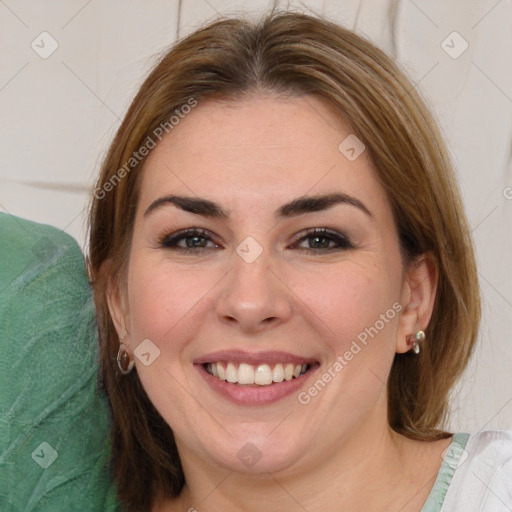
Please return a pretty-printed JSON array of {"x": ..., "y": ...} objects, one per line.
[{"x": 299, "y": 206}]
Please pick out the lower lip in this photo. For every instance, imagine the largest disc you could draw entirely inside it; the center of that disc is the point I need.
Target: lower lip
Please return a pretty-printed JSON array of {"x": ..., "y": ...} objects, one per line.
[{"x": 255, "y": 395}]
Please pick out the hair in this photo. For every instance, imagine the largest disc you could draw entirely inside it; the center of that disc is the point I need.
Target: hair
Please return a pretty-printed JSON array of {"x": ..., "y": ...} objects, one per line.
[{"x": 290, "y": 54}]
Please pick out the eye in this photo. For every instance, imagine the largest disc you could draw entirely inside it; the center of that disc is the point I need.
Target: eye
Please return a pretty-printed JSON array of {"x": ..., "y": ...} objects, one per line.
[
  {"x": 194, "y": 239},
  {"x": 321, "y": 240}
]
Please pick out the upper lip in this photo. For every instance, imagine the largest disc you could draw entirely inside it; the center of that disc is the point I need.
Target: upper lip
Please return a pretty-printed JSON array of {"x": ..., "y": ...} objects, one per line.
[{"x": 253, "y": 358}]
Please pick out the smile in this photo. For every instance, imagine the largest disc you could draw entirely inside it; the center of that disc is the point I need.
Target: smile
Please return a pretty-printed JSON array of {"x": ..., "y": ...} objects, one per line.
[
  {"x": 260, "y": 375},
  {"x": 251, "y": 393}
]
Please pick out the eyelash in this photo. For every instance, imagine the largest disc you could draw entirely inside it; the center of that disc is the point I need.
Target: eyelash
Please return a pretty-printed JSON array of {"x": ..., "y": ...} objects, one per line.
[{"x": 344, "y": 243}]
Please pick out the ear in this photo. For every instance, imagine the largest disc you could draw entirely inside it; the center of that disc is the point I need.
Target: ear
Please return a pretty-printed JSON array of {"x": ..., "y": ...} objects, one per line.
[
  {"x": 417, "y": 298},
  {"x": 116, "y": 301}
]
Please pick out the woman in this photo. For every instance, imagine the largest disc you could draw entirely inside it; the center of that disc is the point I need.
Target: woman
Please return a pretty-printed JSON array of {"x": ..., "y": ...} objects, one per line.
[{"x": 285, "y": 283}]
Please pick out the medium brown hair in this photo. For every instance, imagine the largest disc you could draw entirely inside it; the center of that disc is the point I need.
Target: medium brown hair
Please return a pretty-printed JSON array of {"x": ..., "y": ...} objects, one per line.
[{"x": 291, "y": 54}]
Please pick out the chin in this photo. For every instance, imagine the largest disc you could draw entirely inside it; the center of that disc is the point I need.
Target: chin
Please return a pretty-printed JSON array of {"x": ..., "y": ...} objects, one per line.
[{"x": 258, "y": 453}]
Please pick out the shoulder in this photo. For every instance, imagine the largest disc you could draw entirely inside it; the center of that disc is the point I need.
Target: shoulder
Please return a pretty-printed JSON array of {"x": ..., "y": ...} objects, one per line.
[
  {"x": 492, "y": 450},
  {"x": 54, "y": 440},
  {"x": 482, "y": 473},
  {"x": 491, "y": 437},
  {"x": 490, "y": 445}
]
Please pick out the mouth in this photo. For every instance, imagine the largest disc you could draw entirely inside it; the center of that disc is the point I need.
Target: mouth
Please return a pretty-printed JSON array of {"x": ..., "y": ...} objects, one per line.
[
  {"x": 255, "y": 379},
  {"x": 245, "y": 374}
]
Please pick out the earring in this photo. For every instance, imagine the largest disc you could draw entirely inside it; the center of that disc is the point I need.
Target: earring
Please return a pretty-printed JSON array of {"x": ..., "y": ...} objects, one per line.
[
  {"x": 418, "y": 338},
  {"x": 124, "y": 362}
]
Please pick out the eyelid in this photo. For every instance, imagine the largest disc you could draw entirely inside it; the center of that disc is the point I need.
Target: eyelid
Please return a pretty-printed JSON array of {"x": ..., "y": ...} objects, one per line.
[
  {"x": 341, "y": 240},
  {"x": 175, "y": 236},
  {"x": 320, "y": 231}
]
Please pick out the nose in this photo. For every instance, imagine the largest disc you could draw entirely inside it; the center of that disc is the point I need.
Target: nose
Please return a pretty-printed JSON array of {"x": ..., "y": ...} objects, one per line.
[{"x": 254, "y": 297}]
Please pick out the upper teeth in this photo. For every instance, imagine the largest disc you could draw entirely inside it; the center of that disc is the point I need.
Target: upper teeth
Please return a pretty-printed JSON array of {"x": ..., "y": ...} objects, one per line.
[{"x": 261, "y": 374}]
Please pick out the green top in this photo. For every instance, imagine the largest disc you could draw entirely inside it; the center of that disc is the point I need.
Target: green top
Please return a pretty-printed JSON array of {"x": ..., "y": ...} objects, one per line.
[
  {"x": 55, "y": 421},
  {"x": 450, "y": 462}
]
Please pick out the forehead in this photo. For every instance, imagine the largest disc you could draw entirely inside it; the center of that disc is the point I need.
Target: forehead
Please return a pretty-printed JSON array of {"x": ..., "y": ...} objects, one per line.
[{"x": 254, "y": 150}]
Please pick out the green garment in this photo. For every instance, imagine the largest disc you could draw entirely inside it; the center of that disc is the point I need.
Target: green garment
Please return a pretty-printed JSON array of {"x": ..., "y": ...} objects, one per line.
[
  {"x": 55, "y": 421},
  {"x": 451, "y": 460}
]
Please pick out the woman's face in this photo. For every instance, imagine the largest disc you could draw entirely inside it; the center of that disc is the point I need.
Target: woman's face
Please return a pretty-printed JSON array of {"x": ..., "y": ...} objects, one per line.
[{"x": 258, "y": 285}]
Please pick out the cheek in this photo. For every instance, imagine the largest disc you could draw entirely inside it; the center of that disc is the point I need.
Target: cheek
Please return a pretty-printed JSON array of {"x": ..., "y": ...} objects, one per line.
[
  {"x": 164, "y": 308},
  {"x": 349, "y": 300},
  {"x": 161, "y": 297}
]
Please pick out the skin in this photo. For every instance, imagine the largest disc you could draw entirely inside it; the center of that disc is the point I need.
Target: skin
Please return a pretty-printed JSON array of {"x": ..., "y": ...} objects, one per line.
[{"x": 252, "y": 156}]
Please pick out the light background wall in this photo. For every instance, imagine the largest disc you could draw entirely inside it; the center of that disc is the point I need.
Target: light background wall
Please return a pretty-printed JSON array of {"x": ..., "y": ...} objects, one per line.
[{"x": 58, "y": 115}]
